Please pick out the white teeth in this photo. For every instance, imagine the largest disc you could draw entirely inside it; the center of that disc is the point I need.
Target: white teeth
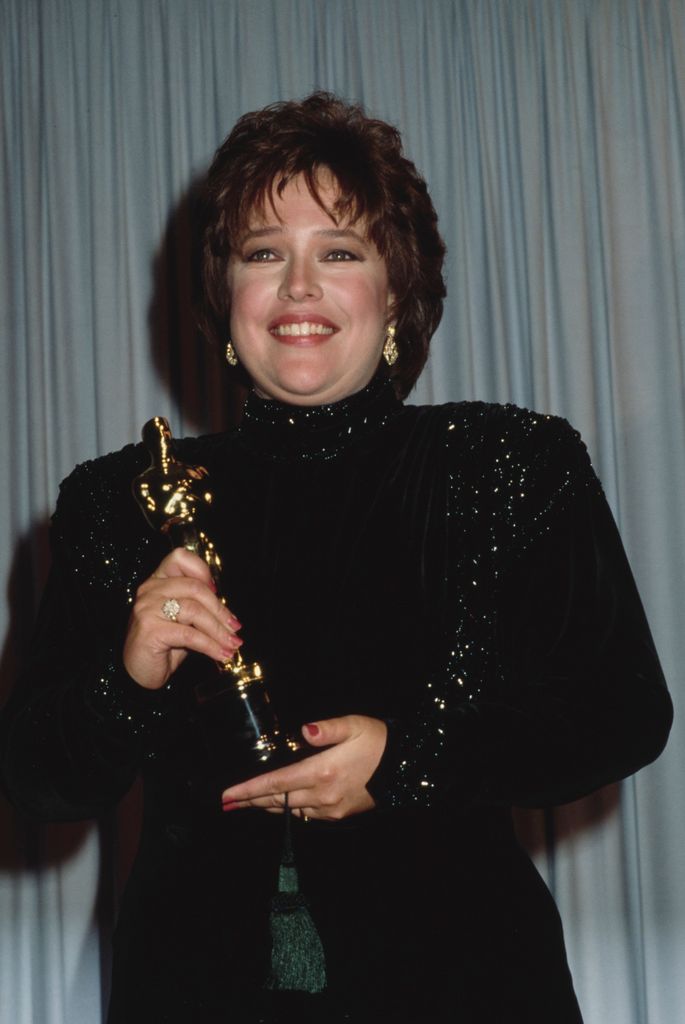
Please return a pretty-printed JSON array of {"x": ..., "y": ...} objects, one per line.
[{"x": 300, "y": 330}]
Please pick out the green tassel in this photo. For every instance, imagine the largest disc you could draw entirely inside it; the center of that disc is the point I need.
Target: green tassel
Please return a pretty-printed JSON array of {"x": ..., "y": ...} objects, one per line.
[{"x": 297, "y": 957}]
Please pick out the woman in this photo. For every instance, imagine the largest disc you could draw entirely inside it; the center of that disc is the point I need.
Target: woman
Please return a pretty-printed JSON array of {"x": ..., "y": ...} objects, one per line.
[{"x": 438, "y": 594}]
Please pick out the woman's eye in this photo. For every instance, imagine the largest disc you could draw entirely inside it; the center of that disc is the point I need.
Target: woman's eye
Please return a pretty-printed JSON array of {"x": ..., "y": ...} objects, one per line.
[
  {"x": 340, "y": 256},
  {"x": 259, "y": 256}
]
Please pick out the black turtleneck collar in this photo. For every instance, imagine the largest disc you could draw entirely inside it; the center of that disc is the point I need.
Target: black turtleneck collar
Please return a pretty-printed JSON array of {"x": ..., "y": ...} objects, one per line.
[{"x": 281, "y": 430}]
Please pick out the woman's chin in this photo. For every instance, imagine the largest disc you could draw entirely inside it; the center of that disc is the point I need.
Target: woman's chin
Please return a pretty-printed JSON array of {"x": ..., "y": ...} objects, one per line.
[{"x": 308, "y": 388}]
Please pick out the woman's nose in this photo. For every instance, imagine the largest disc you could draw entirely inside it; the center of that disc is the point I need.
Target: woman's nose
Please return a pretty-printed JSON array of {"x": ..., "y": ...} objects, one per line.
[{"x": 300, "y": 280}]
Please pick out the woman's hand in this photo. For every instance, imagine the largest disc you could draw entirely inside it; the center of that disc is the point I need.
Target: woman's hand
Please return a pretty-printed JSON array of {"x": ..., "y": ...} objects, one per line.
[
  {"x": 155, "y": 645},
  {"x": 330, "y": 785}
]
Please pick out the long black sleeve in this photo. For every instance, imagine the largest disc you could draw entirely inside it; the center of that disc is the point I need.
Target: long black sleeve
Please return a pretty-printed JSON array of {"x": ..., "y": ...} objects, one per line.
[
  {"x": 77, "y": 728},
  {"x": 571, "y": 695}
]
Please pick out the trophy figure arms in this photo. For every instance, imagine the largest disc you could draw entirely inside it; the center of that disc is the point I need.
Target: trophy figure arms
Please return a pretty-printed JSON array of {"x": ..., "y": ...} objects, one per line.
[{"x": 172, "y": 496}]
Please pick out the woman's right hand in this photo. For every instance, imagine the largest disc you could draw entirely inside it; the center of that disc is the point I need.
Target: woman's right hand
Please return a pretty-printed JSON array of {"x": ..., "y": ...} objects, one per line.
[{"x": 155, "y": 646}]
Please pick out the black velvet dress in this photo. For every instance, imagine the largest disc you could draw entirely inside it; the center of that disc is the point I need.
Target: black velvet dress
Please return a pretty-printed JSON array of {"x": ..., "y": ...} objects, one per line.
[{"x": 452, "y": 570}]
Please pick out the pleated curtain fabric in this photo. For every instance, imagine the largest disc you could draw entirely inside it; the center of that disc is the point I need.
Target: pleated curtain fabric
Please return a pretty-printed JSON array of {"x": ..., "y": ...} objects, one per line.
[{"x": 553, "y": 141}]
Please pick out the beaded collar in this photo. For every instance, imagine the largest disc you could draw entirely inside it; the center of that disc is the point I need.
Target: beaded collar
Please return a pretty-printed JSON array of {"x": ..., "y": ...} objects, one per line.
[{"x": 279, "y": 430}]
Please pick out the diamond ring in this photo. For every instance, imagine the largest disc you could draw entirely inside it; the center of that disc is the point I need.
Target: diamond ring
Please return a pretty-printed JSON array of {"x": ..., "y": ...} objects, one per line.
[{"x": 171, "y": 609}]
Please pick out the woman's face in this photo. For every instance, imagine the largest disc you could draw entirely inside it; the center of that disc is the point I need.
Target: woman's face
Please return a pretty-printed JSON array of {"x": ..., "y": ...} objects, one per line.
[{"x": 309, "y": 300}]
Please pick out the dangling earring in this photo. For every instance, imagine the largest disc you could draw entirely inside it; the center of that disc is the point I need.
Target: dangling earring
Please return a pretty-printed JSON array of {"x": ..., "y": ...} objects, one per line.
[
  {"x": 390, "y": 350},
  {"x": 231, "y": 357}
]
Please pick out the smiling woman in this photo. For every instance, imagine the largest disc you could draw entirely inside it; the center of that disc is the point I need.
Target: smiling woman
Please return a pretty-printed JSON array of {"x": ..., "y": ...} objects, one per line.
[
  {"x": 438, "y": 595},
  {"x": 310, "y": 303},
  {"x": 371, "y": 206}
]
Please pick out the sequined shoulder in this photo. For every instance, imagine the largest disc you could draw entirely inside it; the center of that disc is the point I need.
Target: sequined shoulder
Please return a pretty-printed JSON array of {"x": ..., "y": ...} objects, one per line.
[
  {"x": 508, "y": 439},
  {"x": 97, "y": 531},
  {"x": 537, "y": 452},
  {"x": 513, "y": 470}
]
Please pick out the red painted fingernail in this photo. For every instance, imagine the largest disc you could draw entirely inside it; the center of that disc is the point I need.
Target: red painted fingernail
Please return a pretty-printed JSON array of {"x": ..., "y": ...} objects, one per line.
[
  {"x": 232, "y": 644},
  {"x": 313, "y": 729},
  {"x": 229, "y": 805}
]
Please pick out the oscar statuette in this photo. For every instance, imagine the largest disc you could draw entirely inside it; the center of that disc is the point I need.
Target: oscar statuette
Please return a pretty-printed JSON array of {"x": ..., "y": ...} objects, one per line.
[{"x": 238, "y": 718}]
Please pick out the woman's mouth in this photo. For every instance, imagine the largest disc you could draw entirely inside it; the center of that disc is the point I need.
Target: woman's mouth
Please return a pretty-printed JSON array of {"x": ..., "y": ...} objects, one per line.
[{"x": 300, "y": 330}]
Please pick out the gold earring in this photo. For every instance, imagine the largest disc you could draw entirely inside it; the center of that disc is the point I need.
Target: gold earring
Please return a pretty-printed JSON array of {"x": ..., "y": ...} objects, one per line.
[
  {"x": 390, "y": 350},
  {"x": 231, "y": 357}
]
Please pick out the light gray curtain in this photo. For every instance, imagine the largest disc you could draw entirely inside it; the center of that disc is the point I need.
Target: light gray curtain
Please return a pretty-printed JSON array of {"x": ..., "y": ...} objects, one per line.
[{"x": 551, "y": 134}]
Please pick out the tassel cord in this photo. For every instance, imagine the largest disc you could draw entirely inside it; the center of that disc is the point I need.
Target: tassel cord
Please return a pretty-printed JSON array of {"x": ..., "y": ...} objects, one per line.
[{"x": 297, "y": 955}]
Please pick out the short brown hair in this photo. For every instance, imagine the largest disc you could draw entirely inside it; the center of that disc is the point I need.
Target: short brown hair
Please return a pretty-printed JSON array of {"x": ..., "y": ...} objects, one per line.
[{"x": 270, "y": 147}]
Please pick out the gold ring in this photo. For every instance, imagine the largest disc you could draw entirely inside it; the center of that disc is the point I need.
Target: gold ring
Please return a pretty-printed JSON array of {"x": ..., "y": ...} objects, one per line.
[{"x": 305, "y": 818}]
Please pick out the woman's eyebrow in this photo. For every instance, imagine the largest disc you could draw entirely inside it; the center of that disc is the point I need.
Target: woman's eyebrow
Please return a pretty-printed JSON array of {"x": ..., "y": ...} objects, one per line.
[
  {"x": 341, "y": 233},
  {"x": 278, "y": 229},
  {"x": 261, "y": 232}
]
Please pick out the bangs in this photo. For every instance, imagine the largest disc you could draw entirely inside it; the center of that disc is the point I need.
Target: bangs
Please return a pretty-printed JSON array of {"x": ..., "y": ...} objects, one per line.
[{"x": 356, "y": 200}]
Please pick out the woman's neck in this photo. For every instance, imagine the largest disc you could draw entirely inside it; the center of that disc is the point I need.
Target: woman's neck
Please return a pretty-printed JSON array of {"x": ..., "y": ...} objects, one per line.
[{"x": 318, "y": 432}]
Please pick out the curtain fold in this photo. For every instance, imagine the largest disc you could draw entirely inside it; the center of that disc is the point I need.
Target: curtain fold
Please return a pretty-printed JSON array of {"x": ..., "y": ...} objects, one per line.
[{"x": 553, "y": 141}]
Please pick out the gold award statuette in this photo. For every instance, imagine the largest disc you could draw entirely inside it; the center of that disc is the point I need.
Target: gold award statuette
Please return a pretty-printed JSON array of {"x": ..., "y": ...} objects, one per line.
[{"x": 241, "y": 724}]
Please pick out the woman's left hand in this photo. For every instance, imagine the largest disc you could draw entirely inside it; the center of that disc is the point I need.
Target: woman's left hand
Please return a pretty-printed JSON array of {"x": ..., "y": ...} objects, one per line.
[{"x": 329, "y": 785}]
